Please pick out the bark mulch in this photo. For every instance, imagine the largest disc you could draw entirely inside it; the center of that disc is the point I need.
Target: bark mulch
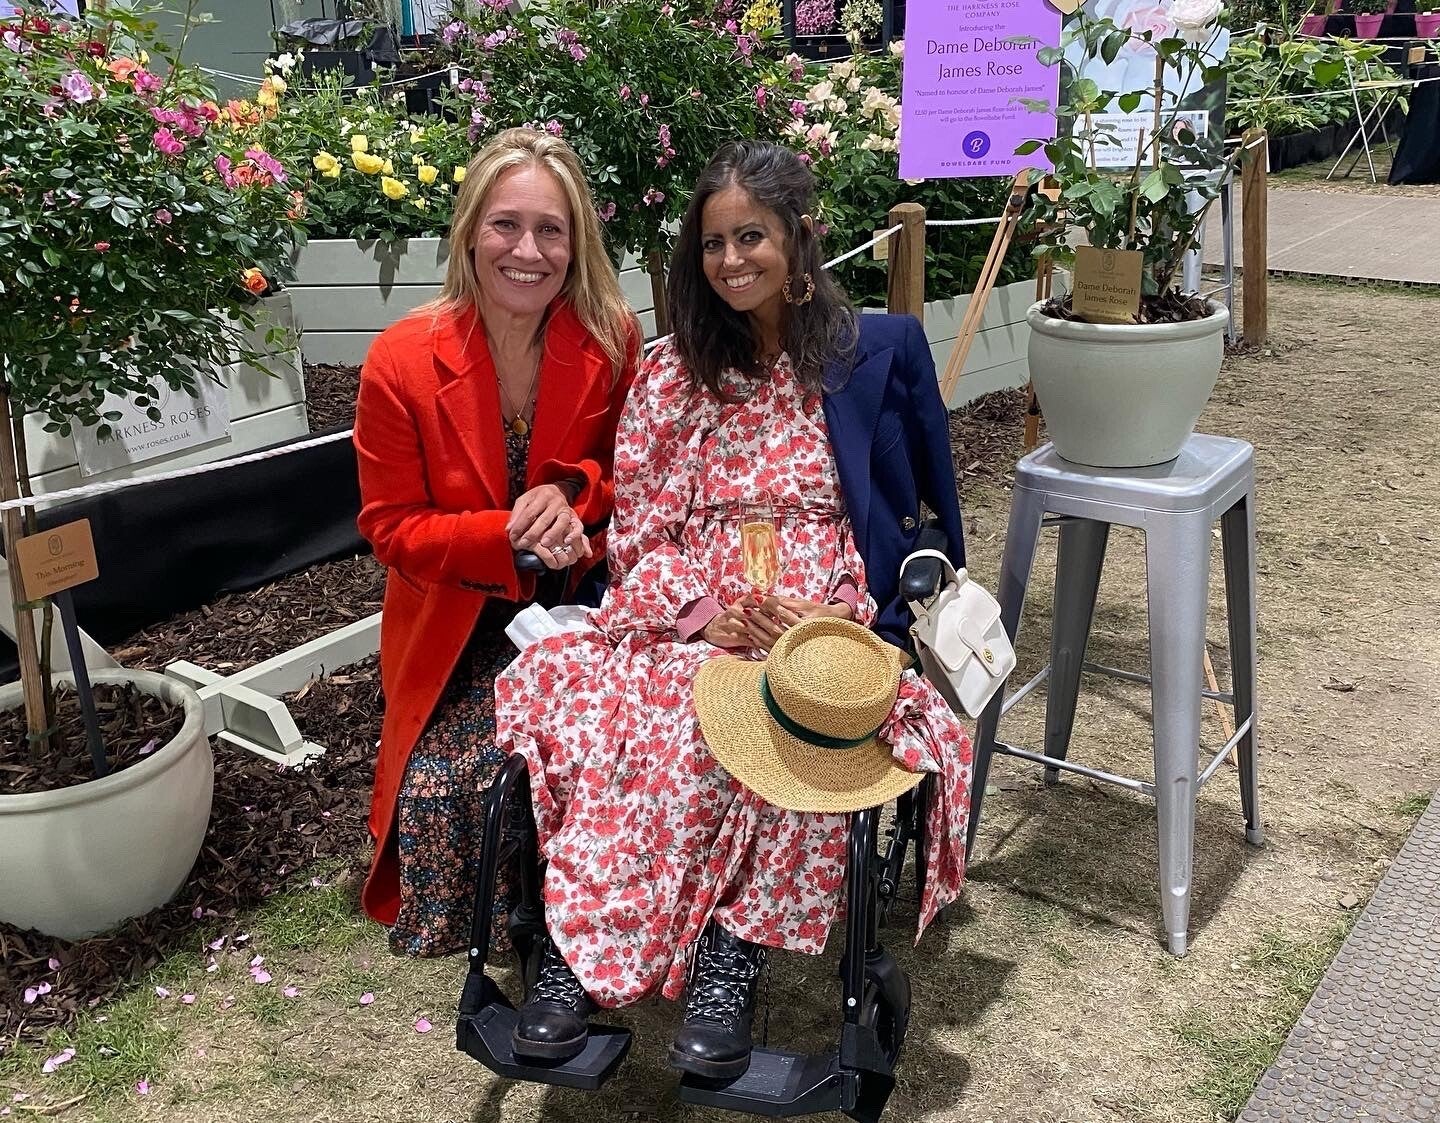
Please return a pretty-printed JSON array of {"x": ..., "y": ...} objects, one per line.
[
  {"x": 132, "y": 724},
  {"x": 330, "y": 393},
  {"x": 238, "y": 630},
  {"x": 269, "y": 825}
]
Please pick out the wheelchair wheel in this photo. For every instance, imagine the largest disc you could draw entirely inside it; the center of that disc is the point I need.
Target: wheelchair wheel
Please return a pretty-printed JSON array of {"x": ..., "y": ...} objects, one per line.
[{"x": 885, "y": 1004}]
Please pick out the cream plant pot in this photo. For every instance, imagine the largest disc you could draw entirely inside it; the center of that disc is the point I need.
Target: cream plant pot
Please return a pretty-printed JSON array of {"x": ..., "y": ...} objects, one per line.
[
  {"x": 78, "y": 860},
  {"x": 1123, "y": 395}
]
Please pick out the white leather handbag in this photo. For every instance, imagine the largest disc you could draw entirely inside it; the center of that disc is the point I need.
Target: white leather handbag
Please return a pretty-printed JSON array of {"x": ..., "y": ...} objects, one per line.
[{"x": 961, "y": 642}]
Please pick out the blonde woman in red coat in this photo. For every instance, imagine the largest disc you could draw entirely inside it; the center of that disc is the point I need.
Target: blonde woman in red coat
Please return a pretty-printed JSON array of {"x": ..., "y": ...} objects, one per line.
[{"x": 485, "y": 426}]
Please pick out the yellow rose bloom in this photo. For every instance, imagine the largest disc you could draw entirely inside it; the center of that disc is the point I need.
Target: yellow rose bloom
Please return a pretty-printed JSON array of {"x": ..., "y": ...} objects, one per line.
[
  {"x": 416, "y": 161},
  {"x": 458, "y": 175},
  {"x": 367, "y": 163},
  {"x": 416, "y": 135},
  {"x": 420, "y": 204},
  {"x": 427, "y": 173},
  {"x": 387, "y": 168},
  {"x": 324, "y": 162},
  {"x": 333, "y": 173},
  {"x": 359, "y": 142},
  {"x": 393, "y": 188},
  {"x": 278, "y": 84}
]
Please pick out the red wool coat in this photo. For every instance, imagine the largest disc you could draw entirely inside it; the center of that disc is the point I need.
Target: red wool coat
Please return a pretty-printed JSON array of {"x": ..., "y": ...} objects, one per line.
[{"x": 434, "y": 494}]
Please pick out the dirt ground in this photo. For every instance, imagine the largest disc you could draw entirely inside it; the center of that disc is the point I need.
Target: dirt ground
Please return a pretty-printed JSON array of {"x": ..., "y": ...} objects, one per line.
[{"x": 1046, "y": 997}]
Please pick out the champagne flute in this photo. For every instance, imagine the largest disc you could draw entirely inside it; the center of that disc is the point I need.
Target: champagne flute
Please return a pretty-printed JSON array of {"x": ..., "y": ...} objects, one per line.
[{"x": 759, "y": 545}]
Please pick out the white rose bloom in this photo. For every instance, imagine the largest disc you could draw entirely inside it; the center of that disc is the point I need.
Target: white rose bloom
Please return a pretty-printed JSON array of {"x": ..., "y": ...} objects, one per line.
[
  {"x": 820, "y": 93},
  {"x": 897, "y": 48},
  {"x": 1194, "y": 18},
  {"x": 875, "y": 101},
  {"x": 843, "y": 69},
  {"x": 854, "y": 84},
  {"x": 838, "y": 105}
]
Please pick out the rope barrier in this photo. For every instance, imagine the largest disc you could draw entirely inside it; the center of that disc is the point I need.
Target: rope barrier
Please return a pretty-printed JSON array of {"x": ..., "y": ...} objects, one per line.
[
  {"x": 875, "y": 241},
  {"x": 960, "y": 221}
]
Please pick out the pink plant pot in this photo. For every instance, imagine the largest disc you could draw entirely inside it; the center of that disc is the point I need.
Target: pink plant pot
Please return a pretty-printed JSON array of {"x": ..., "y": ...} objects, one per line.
[
  {"x": 1427, "y": 24},
  {"x": 1313, "y": 25},
  {"x": 1368, "y": 26}
]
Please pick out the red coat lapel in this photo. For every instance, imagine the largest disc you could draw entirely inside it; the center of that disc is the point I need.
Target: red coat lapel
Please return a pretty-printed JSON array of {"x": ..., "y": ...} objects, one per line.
[
  {"x": 569, "y": 371},
  {"x": 469, "y": 399}
]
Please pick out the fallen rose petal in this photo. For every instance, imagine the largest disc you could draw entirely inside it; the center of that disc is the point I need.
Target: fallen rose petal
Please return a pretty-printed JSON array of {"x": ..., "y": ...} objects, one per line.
[
  {"x": 31, "y": 994},
  {"x": 162, "y": 992},
  {"x": 261, "y": 976},
  {"x": 366, "y": 998},
  {"x": 197, "y": 913},
  {"x": 188, "y": 999},
  {"x": 20, "y": 1097},
  {"x": 259, "y": 959},
  {"x": 43, "y": 988},
  {"x": 291, "y": 992},
  {"x": 227, "y": 1002},
  {"x": 102, "y": 1018},
  {"x": 63, "y": 1057},
  {"x": 242, "y": 938},
  {"x": 54, "y": 964},
  {"x": 422, "y": 1025},
  {"x": 316, "y": 883},
  {"x": 4, "y": 1111},
  {"x": 216, "y": 945},
  {"x": 149, "y": 746},
  {"x": 212, "y": 968},
  {"x": 143, "y": 1087}
]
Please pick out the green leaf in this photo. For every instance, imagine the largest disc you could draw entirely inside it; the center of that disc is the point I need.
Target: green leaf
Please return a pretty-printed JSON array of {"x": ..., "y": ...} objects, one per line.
[
  {"x": 1153, "y": 186},
  {"x": 98, "y": 202},
  {"x": 1028, "y": 147},
  {"x": 1131, "y": 101}
]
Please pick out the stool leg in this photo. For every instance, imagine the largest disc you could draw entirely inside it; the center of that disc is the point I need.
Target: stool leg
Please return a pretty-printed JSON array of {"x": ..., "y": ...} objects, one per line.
[
  {"x": 1027, "y": 512},
  {"x": 1077, "y": 580},
  {"x": 1237, "y": 533},
  {"x": 1177, "y": 563}
]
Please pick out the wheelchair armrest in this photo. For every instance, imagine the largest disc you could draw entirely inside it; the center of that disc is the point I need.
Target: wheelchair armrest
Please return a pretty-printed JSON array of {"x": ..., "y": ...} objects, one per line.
[
  {"x": 526, "y": 562},
  {"x": 921, "y": 579}
]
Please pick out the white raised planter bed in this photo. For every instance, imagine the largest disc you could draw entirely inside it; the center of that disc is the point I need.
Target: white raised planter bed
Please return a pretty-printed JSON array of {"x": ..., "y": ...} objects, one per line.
[
  {"x": 264, "y": 409},
  {"x": 347, "y": 292}
]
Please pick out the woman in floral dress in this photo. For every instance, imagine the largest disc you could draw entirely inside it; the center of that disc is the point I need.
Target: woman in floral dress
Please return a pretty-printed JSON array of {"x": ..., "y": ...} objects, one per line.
[{"x": 661, "y": 866}]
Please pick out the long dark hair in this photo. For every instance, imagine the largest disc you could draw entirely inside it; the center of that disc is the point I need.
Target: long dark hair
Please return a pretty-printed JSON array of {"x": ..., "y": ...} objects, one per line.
[{"x": 819, "y": 335}]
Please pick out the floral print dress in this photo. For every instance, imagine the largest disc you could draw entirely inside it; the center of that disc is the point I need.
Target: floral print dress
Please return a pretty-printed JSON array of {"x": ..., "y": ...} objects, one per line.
[
  {"x": 440, "y": 813},
  {"x": 646, "y": 836}
]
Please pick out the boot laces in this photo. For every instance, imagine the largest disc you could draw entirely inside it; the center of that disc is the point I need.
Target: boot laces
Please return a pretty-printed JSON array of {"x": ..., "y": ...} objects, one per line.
[
  {"x": 556, "y": 982},
  {"x": 725, "y": 975}
]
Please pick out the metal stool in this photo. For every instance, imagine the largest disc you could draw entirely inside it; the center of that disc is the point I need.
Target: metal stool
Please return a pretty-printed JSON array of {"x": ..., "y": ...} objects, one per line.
[{"x": 1175, "y": 504}]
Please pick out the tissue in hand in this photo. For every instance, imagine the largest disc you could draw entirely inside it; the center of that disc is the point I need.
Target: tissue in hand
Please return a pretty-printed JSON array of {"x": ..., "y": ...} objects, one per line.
[{"x": 534, "y": 623}]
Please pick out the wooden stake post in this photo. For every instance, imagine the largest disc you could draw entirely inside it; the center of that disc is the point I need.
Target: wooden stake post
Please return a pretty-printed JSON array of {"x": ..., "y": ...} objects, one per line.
[
  {"x": 1254, "y": 235},
  {"x": 32, "y": 677},
  {"x": 905, "y": 261}
]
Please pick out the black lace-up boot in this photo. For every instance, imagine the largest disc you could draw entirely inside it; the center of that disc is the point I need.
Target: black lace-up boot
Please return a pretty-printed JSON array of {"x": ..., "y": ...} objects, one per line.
[
  {"x": 714, "y": 1040},
  {"x": 552, "y": 1021}
]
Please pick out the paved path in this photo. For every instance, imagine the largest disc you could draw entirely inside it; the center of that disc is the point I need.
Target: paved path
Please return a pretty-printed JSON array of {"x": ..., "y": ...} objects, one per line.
[
  {"x": 1344, "y": 234},
  {"x": 1367, "y": 1046}
]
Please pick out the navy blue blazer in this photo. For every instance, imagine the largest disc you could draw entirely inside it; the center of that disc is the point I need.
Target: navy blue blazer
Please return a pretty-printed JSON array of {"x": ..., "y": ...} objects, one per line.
[{"x": 890, "y": 433}]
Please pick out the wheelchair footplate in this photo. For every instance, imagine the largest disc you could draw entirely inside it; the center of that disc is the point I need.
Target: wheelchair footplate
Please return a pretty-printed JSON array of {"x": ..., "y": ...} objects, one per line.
[{"x": 485, "y": 1033}]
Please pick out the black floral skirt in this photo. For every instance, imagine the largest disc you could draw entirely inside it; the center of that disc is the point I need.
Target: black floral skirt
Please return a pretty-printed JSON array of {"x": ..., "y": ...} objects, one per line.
[{"x": 440, "y": 816}]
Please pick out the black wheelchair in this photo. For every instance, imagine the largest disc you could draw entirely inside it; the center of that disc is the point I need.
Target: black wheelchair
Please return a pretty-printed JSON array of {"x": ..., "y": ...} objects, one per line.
[{"x": 856, "y": 1077}]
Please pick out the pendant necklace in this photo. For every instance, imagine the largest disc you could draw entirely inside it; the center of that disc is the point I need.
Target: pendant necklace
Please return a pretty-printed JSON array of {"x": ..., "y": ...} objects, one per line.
[{"x": 517, "y": 423}]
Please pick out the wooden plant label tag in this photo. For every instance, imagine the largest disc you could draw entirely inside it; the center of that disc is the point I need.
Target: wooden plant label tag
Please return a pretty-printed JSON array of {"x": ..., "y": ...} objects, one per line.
[
  {"x": 1106, "y": 287},
  {"x": 55, "y": 560},
  {"x": 882, "y": 247},
  {"x": 1069, "y": 7}
]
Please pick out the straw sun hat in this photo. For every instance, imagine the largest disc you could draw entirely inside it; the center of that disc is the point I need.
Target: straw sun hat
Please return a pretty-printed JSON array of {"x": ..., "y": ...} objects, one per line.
[{"x": 799, "y": 729}]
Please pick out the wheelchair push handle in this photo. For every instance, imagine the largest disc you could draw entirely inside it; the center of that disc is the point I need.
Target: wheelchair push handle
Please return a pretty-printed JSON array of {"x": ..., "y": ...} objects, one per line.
[{"x": 921, "y": 579}]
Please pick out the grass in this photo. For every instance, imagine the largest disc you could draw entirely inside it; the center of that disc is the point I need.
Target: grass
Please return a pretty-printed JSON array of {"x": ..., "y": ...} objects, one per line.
[
  {"x": 1412, "y": 806},
  {"x": 140, "y": 1033},
  {"x": 1239, "y": 1048}
]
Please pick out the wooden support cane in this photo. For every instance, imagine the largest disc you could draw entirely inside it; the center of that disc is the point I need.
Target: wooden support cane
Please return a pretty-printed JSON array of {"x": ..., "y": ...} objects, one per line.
[{"x": 989, "y": 272}]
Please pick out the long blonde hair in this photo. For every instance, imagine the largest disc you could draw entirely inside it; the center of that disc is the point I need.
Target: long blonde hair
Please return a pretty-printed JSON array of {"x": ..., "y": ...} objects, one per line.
[{"x": 592, "y": 288}]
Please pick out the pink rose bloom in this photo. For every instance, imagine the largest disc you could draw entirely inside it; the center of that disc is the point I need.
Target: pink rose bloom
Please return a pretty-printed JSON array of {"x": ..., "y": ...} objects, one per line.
[
  {"x": 164, "y": 217},
  {"x": 762, "y": 95},
  {"x": 554, "y": 128},
  {"x": 624, "y": 93},
  {"x": 167, "y": 142},
  {"x": 101, "y": 247},
  {"x": 664, "y": 136},
  {"x": 146, "y": 83},
  {"x": 644, "y": 100},
  {"x": 224, "y": 167},
  {"x": 607, "y": 212},
  {"x": 797, "y": 108},
  {"x": 77, "y": 87},
  {"x": 578, "y": 53}
]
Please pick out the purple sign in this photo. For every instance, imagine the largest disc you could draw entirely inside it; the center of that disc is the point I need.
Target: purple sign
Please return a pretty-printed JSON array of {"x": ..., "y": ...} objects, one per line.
[{"x": 967, "y": 84}]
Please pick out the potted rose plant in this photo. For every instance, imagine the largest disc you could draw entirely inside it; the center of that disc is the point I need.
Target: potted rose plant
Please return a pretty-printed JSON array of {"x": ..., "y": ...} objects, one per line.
[
  {"x": 1427, "y": 18},
  {"x": 1128, "y": 393},
  {"x": 132, "y": 218}
]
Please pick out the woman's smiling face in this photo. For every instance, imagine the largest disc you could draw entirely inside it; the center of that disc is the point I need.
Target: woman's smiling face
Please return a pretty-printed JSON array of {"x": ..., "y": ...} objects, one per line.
[
  {"x": 743, "y": 252},
  {"x": 522, "y": 250}
]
